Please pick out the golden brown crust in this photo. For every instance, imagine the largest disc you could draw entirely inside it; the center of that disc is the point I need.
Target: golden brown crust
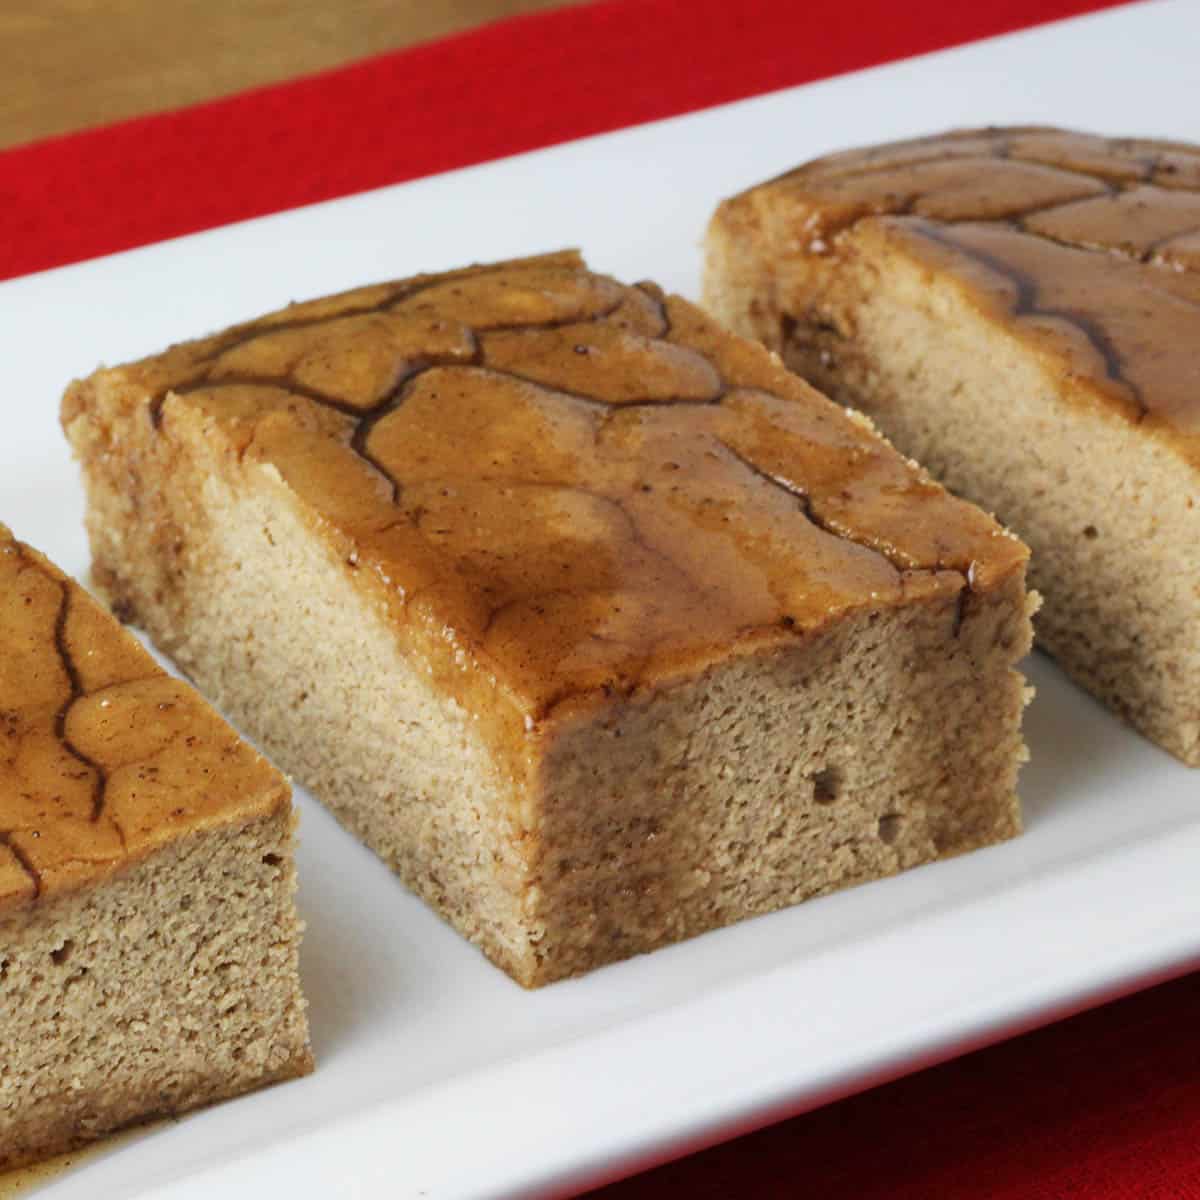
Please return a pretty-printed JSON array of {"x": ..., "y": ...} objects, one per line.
[
  {"x": 577, "y": 486},
  {"x": 1088, "y": 248},
  {"x": 103, "y": 757}
]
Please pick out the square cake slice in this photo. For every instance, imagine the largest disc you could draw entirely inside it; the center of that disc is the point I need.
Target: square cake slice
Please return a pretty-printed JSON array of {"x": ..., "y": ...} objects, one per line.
[
  {"x": 594, "y": 622},
  {"x": 1020, "y": 310},
  {"x": 147, "y": 933}
]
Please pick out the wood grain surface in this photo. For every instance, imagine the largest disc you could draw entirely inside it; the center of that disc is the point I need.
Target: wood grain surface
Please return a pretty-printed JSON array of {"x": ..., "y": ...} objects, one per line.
[{"x": 69, "y": 64}]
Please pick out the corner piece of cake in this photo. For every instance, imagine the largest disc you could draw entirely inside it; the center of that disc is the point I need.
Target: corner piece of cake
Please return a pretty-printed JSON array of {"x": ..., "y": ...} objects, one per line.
[
  {"x": 596, "y": 624},
  {"x": 147, "y": 933},
  {"x": 1020, "y": 310}
]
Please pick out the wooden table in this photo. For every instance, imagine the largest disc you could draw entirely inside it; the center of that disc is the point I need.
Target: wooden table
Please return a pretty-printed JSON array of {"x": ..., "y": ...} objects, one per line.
[{"x": 70, "y": 64}]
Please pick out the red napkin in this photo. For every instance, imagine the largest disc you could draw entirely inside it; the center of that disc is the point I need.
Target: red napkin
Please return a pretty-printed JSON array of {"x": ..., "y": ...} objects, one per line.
[
  {"x": 528, "y": 82},
  {"x": 1105, "y": 1105}
]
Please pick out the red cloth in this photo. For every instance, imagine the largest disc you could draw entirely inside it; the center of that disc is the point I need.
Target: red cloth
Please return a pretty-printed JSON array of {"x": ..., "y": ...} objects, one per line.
[
  {"x": 1105, "y": 1105},
  {"x": 508, "y": 87}
]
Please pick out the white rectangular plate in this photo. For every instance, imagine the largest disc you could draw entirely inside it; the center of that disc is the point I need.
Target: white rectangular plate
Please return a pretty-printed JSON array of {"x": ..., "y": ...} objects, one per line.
[{"x": 438, "y": 1077}]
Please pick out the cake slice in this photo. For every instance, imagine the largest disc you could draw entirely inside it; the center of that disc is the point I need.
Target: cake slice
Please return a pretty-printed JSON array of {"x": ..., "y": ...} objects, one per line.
[
  {"x": 147, "y": 934},
  {"x": 1019, "y": 309},
  {"x": 595, "y": 623}
]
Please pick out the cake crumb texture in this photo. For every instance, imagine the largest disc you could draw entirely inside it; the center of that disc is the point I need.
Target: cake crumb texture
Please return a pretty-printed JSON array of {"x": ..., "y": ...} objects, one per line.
[{"x": 148, "y": 940}]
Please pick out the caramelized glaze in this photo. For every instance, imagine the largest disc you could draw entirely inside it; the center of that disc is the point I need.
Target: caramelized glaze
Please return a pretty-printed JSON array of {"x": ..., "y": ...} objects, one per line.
[
  {"x": 1087, "y": 247},
  {"x": 103, "y": 757},
  {"x": 569, "y": 486}
]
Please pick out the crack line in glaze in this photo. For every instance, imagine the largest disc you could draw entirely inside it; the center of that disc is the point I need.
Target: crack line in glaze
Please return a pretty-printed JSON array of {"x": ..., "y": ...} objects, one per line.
[
  {"x": 99, "y": 774},
  {"x": 1026, "y": 305},
  {"x": 23, "y": 860},
  {"x": 100, "y": 781}
]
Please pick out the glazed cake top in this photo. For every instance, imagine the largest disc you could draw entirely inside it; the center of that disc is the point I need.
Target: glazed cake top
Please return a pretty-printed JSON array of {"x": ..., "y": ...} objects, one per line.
[
  {"x": 1086, "y": 247},
  {"x": 573, "y": 487},
  {"x": 103, "y": 756}
]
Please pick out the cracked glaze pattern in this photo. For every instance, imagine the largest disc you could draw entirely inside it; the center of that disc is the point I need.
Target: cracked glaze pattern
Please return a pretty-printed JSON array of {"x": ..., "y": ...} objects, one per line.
[
  {"x": 103, "y": 757},
  {"x": 1088, "y": 247},
  {"x": 574, "y": 486}
]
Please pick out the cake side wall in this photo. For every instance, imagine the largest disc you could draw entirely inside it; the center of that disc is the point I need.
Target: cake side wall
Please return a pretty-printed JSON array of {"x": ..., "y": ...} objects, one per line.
[
  {"x": 887, "y": 741},
  {"x": 169, "y": 986},
  {"x": 213, "y": 556},
  {"x": 1111, "y": 514},
  {"x": 740, "y": 285}
]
